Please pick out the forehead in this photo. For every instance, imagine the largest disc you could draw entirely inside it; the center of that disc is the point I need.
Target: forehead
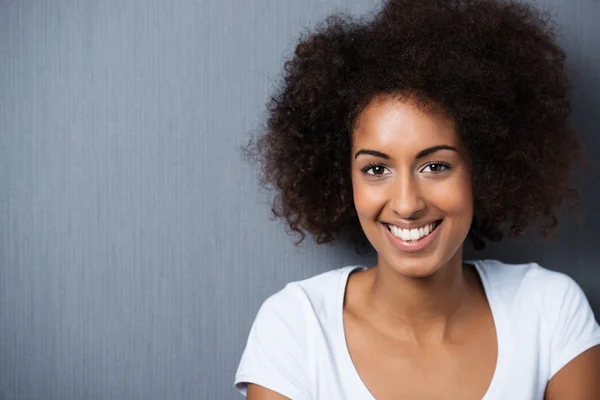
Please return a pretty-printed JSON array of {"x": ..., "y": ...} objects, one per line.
[{"x": 401, "y": 125}]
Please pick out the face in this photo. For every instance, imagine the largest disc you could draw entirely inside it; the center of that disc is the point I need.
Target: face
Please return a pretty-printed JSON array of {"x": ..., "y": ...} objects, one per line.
[{"x": 412, "y": 186}]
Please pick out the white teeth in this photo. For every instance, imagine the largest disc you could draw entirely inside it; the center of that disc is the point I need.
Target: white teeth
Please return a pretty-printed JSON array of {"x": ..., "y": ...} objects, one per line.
[
  {"x": 404, "y": 234},
  {"x": 412, "y": 234}
]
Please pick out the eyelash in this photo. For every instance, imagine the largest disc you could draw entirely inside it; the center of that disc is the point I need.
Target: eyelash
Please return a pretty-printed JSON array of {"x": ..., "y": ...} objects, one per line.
[{"x": 366, "y": 169}]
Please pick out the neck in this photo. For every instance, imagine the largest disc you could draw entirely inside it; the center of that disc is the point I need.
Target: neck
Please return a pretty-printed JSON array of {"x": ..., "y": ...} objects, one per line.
[{"x": 421, "y": 310}]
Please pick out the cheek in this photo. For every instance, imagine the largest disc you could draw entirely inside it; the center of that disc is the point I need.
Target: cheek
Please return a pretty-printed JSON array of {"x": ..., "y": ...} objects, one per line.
[
  {"x": 455, "y": 197},
  {"x": 368, "y": 199}
]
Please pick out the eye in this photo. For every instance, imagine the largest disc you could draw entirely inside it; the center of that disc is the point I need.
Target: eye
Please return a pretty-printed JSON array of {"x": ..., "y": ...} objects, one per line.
[
  {"x": 436, "y": 167},
  {"x": 374, "y": 170}
]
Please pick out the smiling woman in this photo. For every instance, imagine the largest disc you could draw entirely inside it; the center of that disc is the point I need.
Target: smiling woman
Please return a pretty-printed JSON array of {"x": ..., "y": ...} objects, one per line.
[
  {"x": 410, "y": 172},
  {"x": 435, "y": 122}
]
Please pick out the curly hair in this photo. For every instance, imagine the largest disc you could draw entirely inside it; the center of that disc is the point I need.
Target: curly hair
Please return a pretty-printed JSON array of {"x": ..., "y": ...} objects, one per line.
[{"x": 493, "y": 66}]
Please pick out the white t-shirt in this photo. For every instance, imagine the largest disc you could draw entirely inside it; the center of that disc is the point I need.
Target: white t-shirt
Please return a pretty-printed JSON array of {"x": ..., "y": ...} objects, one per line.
[{"x": 297, "y": 345}]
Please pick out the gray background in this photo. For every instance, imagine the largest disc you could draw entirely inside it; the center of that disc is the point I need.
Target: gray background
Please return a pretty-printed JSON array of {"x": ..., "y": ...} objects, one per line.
[{"x": 135, "y": 248}]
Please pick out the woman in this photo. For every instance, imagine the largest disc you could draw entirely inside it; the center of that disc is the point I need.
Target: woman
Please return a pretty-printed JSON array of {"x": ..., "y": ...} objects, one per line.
[{"x": 432, "y": 122}]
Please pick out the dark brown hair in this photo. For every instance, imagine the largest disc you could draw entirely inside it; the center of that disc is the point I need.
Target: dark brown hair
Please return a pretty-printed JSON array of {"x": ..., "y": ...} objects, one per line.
[{"x": 491, "y": 65}]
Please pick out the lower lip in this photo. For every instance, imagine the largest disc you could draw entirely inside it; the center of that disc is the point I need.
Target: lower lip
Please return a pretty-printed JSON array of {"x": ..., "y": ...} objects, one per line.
[{"x": 412, "y": 247}]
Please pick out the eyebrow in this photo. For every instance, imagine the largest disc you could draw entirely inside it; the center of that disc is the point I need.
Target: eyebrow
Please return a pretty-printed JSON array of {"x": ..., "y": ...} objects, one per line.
[{"x": 422, "y": 153}]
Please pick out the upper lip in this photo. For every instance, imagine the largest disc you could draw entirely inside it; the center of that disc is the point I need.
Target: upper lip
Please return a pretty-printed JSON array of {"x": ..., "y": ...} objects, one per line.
[{"x": 410, "y": 225}]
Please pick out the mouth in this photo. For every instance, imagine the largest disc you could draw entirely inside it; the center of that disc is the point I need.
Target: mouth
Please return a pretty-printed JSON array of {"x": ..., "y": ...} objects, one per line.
[{"x": 413, "y": 235}]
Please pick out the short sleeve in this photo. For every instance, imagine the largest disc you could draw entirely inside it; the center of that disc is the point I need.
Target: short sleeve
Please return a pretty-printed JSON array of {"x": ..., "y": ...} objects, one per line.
[
  {"x": 575, "y": 327},
  {"x": 275, "y": 356}
]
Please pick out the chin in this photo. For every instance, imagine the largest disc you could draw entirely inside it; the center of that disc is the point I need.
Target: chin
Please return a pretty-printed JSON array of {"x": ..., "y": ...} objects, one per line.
[
  {"x": 417, "y": 264},
  {"x": 413, "y": 268}
]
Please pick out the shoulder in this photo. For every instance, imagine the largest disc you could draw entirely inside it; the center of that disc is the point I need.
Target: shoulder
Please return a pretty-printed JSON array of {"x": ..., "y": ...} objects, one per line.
[
  {"x": 547, "y": 301},
  {"x": 300, "y": 303},
  {"x": 277, "y": 352},
  {"x": 526, "y": 279},
  {"x": 530, "y": 286},
  {"x": 536, "y": 293},
  {"x": 313, "y": 295}
]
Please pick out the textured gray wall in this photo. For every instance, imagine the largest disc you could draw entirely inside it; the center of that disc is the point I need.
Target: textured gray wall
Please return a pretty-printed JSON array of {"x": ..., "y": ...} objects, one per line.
[{"x": 135, "y": 249}]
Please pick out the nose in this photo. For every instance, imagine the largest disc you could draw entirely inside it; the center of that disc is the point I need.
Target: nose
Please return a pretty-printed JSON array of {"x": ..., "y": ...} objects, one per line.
[{"x": 406, "y": 199}]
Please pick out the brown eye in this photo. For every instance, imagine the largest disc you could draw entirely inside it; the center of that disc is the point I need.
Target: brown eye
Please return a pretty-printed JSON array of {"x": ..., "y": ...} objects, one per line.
[
  {"x": 374, "y": 170},
  {"x": 436, "y": 167}
]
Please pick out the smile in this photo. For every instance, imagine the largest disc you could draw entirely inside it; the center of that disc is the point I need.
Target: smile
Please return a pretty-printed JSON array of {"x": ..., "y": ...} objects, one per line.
[{"x": 413, "y": 235}]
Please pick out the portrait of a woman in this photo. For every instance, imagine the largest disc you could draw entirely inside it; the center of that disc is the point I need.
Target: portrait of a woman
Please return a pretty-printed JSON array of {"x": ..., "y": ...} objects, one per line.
[{"x": 411, "y": 131}]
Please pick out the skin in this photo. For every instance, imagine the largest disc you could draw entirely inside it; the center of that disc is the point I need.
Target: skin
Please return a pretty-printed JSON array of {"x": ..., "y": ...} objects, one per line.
[
  {"x": 418, "y": 325},
  {"x": 424, "y": 314}
]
